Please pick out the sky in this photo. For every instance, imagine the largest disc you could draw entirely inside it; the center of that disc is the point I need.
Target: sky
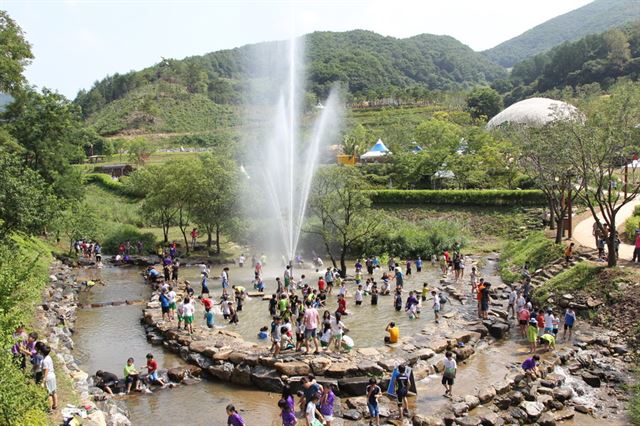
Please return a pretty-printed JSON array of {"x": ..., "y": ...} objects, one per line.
[{"x": 76, "y": 42}]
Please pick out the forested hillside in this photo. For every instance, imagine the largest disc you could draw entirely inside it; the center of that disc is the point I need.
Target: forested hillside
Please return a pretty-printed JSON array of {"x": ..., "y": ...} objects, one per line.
[
  {"x": 587, "y": 65},
  {"x": 595, "y": 17},
  {"x": 368, "y": 65}
]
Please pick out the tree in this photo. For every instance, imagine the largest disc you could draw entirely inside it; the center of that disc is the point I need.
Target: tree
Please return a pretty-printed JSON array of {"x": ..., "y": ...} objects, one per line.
[
  {"x": 27, "y": 203},
  {"x": 157, "y": 206},
  {"x": 344, "y": 217},
  {"x": 484, "y": 102},
  {"x": 15, "y": 55},
  {"x": 216, "y": 197},
  {"x": 77, "y": 222},
  {"x": 600, "y": 148},
  {"x": 51, "y": 133},
  {"x": 354, "y": 142},
  {"x": 547, "y": 159},
  {"x": 140, "y": 149}
]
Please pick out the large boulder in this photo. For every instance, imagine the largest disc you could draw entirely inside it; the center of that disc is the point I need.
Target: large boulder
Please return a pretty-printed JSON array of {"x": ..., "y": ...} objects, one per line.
[
  {"x": 486, "y": 394},
  {"x": 266, "y": 379},
  {"x": 469, "y": 421},
  {"x": 591, "y": 379},
  {"x": 222, "y": 372},
  {"x": 320, "y": 365},
  {"x": 420, "y": 420},
  {"x": 562, "y": 394},
  {"x": 532, "y": 408},
  {"x": 498, "y": 330},
  {"x": 295, "y": 368},
  {"x": 353, "y": 385}
]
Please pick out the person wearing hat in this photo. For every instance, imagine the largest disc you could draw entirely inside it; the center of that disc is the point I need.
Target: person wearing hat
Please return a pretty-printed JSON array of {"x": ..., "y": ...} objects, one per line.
[{"x": 532, "y": 334}]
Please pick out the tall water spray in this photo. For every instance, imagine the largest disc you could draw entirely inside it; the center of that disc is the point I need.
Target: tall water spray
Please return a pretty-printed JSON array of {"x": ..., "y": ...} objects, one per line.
[{"x": 290, "y": 153}]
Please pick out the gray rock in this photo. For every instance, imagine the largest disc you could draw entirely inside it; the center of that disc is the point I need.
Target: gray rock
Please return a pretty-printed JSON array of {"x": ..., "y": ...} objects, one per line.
[
  {"x": 472, "y": 401},
  {"x": 546, "y": 419},
  {"x": 352, "y": 415},
  {"x": 562, "y": 394},
  {"x": 420, "y": 420},
  {"x": 486, "y": 394},
  {"x": 459, "y": 408},
  {"x": 532, "y": 408},
  {"x": 591, "y": 379},
  {"x": 469, "y": 421}
]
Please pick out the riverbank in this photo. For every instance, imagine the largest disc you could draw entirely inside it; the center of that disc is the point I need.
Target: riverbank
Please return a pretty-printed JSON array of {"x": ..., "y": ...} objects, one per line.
[{"x": 56, "y": 317}]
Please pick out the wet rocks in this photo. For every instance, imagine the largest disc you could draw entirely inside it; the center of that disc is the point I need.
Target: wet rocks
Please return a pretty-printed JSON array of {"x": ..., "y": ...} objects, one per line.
[
  {"x": 591, "y": 379},
  {"x": 486, "y": 394},
  {"x": 295, "y": 368},
  {"x": 469, "y": 421},
  {"x": 532, "y": 408},
  {"x": 352, "y": 414},
  {"x": 562, "y": 394},
  {"x": 420, "y": 420},
  {"x": 320, "y": 365}
]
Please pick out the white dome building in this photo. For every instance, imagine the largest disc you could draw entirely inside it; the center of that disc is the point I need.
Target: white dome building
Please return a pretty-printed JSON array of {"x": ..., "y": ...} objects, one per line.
[{"x": 535, "y": 112}]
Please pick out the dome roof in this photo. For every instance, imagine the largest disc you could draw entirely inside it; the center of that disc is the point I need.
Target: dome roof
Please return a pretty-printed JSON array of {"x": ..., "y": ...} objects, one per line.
[{"x": 535, "y": 112}]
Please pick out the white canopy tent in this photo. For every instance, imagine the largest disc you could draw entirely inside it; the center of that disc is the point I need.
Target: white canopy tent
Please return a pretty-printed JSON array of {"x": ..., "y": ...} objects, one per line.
[{"x": 377, "y": 151}]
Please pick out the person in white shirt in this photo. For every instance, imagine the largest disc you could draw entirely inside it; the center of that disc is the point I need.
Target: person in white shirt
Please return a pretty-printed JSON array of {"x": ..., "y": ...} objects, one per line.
[
  {"x": 359, "y": 295},
  {"x": 311, "y": 411},
  {"x": 549, "y": 318},
  {"x": 520, "y": 302},
  {"x": 513, "y": 297},
  {"x": 449, "y": 373},
  {"x": 188, "y": 311},
  {"x": 171, "y": 295},
  {"x": 49, "y": 376},
  {"x": 241, "y": 260},
  {"x": 337, "y": 331}
]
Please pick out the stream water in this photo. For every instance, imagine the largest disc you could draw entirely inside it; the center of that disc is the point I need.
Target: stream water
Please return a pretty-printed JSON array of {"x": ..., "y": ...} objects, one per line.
[{"x": 105, "y": 337}]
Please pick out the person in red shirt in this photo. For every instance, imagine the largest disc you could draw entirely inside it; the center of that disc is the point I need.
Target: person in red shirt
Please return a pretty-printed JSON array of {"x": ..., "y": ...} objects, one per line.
[
  {"x": 194, "y": 238},
  {"x": 321, "y": 284},
  {"x": 636, "y": 250},
  {"x": 206, "y": 302},
  {"x": 152, "y": 368},
  {"x": 342, "y": 305}
]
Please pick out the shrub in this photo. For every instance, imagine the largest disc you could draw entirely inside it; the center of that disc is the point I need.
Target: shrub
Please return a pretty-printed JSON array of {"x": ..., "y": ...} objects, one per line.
[
  {"x": 408, "y": 240},
  {"x": 583, "y": 277},
  {"x": 23, "y": 274},
  {"x": 472, "y": 197},
  {"x": 122, "y": 233},
  {"x": 536, "y": 249},
  {"x": 631, "y": 225}
]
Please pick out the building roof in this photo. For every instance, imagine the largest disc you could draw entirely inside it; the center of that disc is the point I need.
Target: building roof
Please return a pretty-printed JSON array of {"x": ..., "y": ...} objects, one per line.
[{"x": 535, "y": 112}]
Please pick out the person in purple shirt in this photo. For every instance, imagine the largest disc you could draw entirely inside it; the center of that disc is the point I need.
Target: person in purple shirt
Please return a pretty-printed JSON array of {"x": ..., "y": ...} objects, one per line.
[
  {"x": 288, "y": 414},
  {"x": 234, "y": 418},
  {"x": 326, "y": 404},
  {"x": 530, "y": 365},
  {"x": 287, "y": 395}
]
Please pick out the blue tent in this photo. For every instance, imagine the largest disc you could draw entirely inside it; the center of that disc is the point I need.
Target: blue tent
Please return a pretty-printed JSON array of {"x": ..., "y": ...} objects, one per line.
[{"x": 376, "y": 151}]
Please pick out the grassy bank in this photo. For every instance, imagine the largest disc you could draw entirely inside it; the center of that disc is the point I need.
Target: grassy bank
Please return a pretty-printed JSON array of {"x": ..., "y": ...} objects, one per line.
[
  {"x": 24, "y": 265},
  {"x": 536, "y": 249}
]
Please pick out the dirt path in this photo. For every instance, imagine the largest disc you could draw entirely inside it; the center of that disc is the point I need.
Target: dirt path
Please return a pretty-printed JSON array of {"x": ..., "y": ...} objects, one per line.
[{"x": 583, "y": 230}]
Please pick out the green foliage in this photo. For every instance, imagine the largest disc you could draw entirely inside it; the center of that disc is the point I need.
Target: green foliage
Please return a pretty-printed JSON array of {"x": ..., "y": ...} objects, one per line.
[
  {"x": 161, "y": 107},
  {"x": 77, "y": 221},
  {"x": 595, "y": 17},
  {"x": 584, "y": 279},
  {"x": 23, "y": 274},
  {"x": 140, "y": 150},
  {"x": 458, "y": 197},
  {"x": 484, "y": 102},
  {"x": 536, "y": 249},
  {"x": 27, "y": 203},
  {"x": 106, "y": 182},
  {"x": 408, "y": 240},
  {"x": 342, "y": 211},
  {"x": 16, "y": 54},
  {"x": 630, "y": 227},
  {"x": 171, "y": 95},
  {"x": 121, "y": 233},
  {"x": 584, "y": 67},
  {"x": 112, "y": 208},
  {"x": 50, "y": 132}
]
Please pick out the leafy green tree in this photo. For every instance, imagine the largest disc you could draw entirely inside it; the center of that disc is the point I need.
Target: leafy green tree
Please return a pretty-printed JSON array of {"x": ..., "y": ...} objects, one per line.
[
  {"x": 216, "y": 198},
  {"x": 157, "y": 207},
  {"x": 77, "y": 221},
  {"x": 354, "y": 142},
  {"x": 484, "y": 102},
  {"x": 344, "y": 216},
  {"x": 599, "y": 146},
  {"x": 15, "y": 54},
  {"x": 50, "y": 131},
  {"x": 140, "y": 149},
  {"x": 27, "y": 203}
]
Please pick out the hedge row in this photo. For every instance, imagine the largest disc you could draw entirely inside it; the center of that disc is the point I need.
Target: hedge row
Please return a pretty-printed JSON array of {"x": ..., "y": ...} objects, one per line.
[
  {"x": 470, "y": 197},
  {"x": 108, "y": 183}
]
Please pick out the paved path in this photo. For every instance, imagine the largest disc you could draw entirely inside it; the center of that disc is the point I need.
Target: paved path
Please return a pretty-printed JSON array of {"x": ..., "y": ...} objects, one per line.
[{"x": 583, "y": 230}]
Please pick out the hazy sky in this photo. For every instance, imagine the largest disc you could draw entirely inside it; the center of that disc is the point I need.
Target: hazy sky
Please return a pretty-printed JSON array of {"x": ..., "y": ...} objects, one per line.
[{"x": 76, "y": 42}]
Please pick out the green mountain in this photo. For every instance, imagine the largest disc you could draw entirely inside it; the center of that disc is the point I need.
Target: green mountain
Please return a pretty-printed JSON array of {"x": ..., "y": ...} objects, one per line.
[
  {"x": 366, "y": 64},
  {"x": 595, "y": 17},
  {"x": 588, "y": 65}
]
